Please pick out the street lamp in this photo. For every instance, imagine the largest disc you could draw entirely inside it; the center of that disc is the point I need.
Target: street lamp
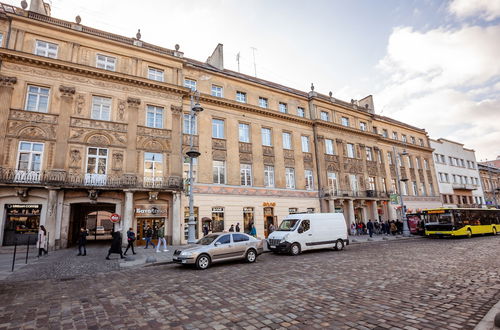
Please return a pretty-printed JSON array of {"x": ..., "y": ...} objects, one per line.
[
  {"x": 406, "y": 230},
  {"x": 192, "y": 154}
]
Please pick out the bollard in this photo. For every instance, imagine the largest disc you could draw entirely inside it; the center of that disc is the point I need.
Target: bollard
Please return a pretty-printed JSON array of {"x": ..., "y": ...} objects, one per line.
[
  {"x": 496, "y": 322},
  {"x": 14, "y": 257},
  {"x": 27, "y": 250}
]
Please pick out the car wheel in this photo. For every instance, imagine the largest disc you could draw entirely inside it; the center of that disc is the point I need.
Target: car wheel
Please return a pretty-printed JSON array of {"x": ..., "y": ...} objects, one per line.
[
  {"x": 469, "y": 233},
  {"x": 203, "y": 262},
  {"x": 295, "y": 249},
  {"x": 251, "y": 256},
  {"x": 339, "y": 245}
]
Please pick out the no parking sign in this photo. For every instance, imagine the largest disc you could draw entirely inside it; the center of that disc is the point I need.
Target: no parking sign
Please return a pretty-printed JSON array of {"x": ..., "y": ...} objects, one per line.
[{"x": 114, "y": 218}]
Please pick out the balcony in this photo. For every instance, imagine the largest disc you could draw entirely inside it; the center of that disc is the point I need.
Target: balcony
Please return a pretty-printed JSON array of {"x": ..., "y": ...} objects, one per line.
[
  {"x": 332, "y": 192},
  {"x": 462, "y": 186},
  {"x": 64, "y": 179}
]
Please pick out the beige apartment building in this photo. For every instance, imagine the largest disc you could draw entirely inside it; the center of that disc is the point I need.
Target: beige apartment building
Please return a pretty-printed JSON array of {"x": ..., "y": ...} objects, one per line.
[{"x": 94, "y": 123}]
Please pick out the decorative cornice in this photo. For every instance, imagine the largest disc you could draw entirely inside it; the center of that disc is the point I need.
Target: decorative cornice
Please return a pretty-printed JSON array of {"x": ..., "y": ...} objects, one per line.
[
  {"x": 67, "y": 91},
  {"x": 7, "y": 81},
  {"x": 133, "y": 101},
  {"x": 176, "y": 110}
]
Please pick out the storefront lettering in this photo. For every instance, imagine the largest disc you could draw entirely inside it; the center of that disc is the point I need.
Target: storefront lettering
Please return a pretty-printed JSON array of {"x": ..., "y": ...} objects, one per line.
[
  {"x": 269, "y": 204},
  {"x": 152, "y": 210}
]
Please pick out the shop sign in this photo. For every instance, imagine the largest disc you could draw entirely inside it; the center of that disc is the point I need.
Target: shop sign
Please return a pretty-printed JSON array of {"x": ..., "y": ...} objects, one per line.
[
  {"x": 114, "y": 217},
  {"x": 269, "y": 204},
  {"x": 394, "y": 199},
  {"x": 23, "y": 206},
  {"x": 147, "y": 209},
  {"x": 217, "y": 209}
]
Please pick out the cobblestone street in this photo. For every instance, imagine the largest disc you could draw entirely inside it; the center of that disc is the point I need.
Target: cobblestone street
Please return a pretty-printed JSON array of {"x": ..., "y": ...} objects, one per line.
[{"x": 421, "y": 283}]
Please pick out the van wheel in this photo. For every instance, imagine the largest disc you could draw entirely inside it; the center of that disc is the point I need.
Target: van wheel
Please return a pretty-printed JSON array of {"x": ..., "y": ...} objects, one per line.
[
  {"x": 251, "y": 256},
  {"x": 469, "y": 233},
  {"x": 339, "y": 245},
  {"x": 295, "y": 249},
  {"x": 203, "y": 262}
]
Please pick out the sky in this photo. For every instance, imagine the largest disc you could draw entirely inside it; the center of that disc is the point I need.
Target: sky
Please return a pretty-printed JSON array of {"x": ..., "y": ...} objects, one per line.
[{"x": 432, "y": 64}]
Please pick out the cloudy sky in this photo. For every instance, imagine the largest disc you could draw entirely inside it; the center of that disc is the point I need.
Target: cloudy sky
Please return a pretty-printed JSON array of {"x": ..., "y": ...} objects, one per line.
[{"x": 433, "y": 64}]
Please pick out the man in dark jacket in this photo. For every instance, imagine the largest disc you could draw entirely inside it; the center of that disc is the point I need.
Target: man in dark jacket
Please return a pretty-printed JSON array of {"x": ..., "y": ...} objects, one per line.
[
  {"x": 149, "y": 236},
  {"x": 82, "y": 241},
  {"x": 116, "y": 245},
  {"x": 130, "y": 241},
  {"x": 369, "y": 226}
]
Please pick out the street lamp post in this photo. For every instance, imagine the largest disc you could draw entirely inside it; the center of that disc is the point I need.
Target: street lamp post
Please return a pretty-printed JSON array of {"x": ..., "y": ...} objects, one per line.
[
  {"x": 192, "y": 154},
  {"x": 406, "y": 230}
]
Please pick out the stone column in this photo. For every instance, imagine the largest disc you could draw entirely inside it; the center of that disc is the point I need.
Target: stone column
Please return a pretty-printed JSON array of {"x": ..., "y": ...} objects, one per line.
[
  {"x": 50, "y": 220},
  {"x": 6, "y": 89},
  {"x": 176, "y": 158},
  {"x": 393, "y": 215},
  {"x": 176, "y": 219},
  {"x": 133, "y": 120},
  {"x": 374, "y": 210},
  {"x": 331, "y": 205},
  {"x": 128, "y": 213},
  {"x": 63, "y": 123},
  {"x": 350, "y": 208}
]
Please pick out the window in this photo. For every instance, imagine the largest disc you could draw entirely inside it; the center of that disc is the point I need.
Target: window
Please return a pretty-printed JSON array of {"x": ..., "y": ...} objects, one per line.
[
  {"x": 369, "y": 154},
  {"x": 403, "y": 138},
  {"x": 306, "y": 224},
  {"x": 384, "y": 189},
  {"x": 379, "y": 156},
  {"x": 394, "y": 135},
  {"x": 190, "y": 83},
  {"x": 421, "y": 141},
  {"x": 309, "y": 180},
  {"x": 371, "y": 183},
  {"x": 443, "y": 160},
  {"x": 105, "y": 62},
  {"x": 404, "y": 188},
  {"x": 344, "y": 121},
  {"x": 154, "y": 116},
  {"x": 240, "y": 238},
  {"x": 389, "y": 158},
  {"x": 415, "y": 188},
  {"x": 37, "y": 99},
  {"x": 412, "y": 139},
  {"x": 241, "y": 97},
  {"x": 218, "y": 128},
  {"x": 350, "y": 150},
  {"x": 410, "y": 162},
  {"x": 246, "y": 174},
  {"x": 324, "y": 116},
  {"x": 219, "y": 172},
  {"x": 437, "y": 158},
  {"x": 46, "y": 49},
  {"x": 287, "y": 140},
  {"x": 462, "y": 162},
  {"x": 266, "y": 136},
  {"x": 224, "y": 239},
  {"x": 248, "y": 219},
  {"x": 293, "y": 210},
  {"x": 353, "y": 182},
  {"x": 362, "y": 126},
  {"x": 417, "y": 162},
  {"x": 301, "y": 112},
  {"x": 218, "y": 221},
  {"x": 155, "y": 74},
  {"x": 1, "y": 40},
  {"x": 153, "y": 168},
  {"x": 101, "y": 108},
  {"x": 263, "y": 103},
  {"x": 189, "y": 124},
  {"x": 329, "y": 147},
  {"x": 305, "y": 143},
  {"x": 244, "y": 132},
  {"x": 269, "y": 176},
  {"x": 384, "y": 133},
  {"x": 375, "y": 130},
  {"x": 282, "y": 107},
  {"x": 332, "y": 182},
  {"x": 29, "y": 162},
  {"x": 290, "y": 177},
  {"x": 217, "y": 91},
  {"x": 97, "y": 160},
  {"x": 394, "y": 186}
]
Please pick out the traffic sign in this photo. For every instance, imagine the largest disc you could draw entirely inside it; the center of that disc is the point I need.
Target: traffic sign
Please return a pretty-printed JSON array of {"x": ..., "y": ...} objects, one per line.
[{"x": 114, "y": 217}]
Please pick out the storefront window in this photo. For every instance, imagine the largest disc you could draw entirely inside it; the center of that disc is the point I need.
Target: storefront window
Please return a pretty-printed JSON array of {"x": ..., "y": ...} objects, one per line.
[
  {"x": 248, "y": 219},
  {"x": 186, "y": 221},
  {"x": 293, "y": 210},
  {"x": 22, "y": 222},
  {"x": 217, "y": 219}
]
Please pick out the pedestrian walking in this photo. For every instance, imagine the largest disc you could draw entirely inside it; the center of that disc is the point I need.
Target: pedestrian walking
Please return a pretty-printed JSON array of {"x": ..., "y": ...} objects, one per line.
[
  {"x": 116, "y": 245},
  {"x": 231, "y": 228},
  {"x": 82, "y": 241},
  {"x": 205, "y": 230},
  {"x": 369, "y": 226},
  {"x": 353, "y": 229},
  {"x": 253, "y": 231},
  {"x": 161, "y": 239},
  {"x": 130, "y": 241},
  {"x": 149, "y": 236},
  {"x": 271, "y": 228},
  {"x": 238, "y": 227},
  {"x": 41, "y": 244}
]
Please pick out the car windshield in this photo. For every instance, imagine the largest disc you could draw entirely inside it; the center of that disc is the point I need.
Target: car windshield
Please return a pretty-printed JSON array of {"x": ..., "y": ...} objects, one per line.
[
  {"x": 207, "y": 240},
  {"x": 288, "y": 225}
]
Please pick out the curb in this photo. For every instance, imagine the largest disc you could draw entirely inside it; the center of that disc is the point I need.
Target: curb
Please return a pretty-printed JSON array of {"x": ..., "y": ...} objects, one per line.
[{"x": 487, "y": 323}]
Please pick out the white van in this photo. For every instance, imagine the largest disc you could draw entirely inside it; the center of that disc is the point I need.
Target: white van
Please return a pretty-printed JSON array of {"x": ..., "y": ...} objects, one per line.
[{"x": 309, "y": 231}]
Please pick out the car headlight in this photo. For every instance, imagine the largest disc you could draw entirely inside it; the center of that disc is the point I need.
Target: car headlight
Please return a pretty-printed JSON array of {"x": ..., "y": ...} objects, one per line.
[{"x": 186, "y": 254}]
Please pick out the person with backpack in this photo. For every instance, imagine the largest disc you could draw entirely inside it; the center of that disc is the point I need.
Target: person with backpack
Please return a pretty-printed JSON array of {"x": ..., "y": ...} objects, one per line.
[
  {"x": 130, "y": 241},
  {"x": 149, "y": 236}
]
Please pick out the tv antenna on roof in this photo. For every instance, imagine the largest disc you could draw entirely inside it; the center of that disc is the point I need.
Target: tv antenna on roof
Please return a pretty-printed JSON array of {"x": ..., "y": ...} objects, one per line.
[
  {"x": 238, "y": 60},
  {"x": 254, "y": 64}
]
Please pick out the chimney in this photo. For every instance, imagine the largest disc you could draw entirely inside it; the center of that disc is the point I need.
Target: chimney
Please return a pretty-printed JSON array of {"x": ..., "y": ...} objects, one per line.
[
  {"x": 40, "y": 7},
  {"x": 217, "y": 58}
]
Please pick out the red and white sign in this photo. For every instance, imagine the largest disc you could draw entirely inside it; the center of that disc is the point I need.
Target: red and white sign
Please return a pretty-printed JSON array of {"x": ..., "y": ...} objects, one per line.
[{"x": 114, "y": 217}]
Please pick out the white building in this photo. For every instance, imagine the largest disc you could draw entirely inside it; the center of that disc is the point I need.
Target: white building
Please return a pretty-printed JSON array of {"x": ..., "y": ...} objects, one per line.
[{"x": 457, "y": 173}]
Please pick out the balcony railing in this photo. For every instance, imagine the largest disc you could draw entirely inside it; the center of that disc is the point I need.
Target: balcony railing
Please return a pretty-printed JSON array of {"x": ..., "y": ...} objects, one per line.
[
  {"x": 332, "y": 192},
  {"x": 462, "y": 186},
  {"x": 86, "y": 180}
]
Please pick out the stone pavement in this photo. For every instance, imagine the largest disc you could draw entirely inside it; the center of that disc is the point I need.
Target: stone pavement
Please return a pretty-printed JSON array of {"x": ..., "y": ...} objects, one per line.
[{"x": 396, "y": 284}]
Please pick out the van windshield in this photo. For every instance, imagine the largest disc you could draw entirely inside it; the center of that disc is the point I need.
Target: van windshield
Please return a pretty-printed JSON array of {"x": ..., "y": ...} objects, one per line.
[{"x": 288, "y": 225}]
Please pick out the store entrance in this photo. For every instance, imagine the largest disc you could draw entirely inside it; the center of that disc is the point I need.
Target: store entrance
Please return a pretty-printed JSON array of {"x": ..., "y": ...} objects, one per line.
[
  {"x": 93, "y": 217},
  {"x": 268, "y": 219},
  {"x": 154, "y": 224},
  {"x": 21, "y": 223}
]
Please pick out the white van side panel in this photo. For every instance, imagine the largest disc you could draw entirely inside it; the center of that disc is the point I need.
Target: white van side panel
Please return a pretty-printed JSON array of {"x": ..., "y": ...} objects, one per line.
[{"x": 326, "y": 228}]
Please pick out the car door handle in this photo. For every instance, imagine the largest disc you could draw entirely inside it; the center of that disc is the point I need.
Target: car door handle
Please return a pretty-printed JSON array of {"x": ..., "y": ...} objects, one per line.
[{"x": 310, "y": 234}]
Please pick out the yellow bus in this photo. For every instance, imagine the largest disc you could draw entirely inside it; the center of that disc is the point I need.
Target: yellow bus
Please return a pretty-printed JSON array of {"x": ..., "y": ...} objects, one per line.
[{"x": 461, "y": 222}]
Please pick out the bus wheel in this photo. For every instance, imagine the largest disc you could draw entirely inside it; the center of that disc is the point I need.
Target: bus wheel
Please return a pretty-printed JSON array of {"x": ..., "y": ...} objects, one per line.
[{"x": 469, "y": 233}]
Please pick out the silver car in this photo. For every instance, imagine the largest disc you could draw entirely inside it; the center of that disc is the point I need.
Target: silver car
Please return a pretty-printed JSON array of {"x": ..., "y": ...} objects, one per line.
[{"x": 220, "y": 247}]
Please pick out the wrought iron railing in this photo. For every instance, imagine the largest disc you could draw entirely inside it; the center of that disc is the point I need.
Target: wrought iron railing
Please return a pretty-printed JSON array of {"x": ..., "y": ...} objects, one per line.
[{"x": 331, "y": 192}]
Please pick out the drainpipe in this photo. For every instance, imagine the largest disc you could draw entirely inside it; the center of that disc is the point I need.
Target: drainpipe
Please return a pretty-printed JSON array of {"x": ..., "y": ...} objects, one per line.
[{"x": 316, "y": 154}]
